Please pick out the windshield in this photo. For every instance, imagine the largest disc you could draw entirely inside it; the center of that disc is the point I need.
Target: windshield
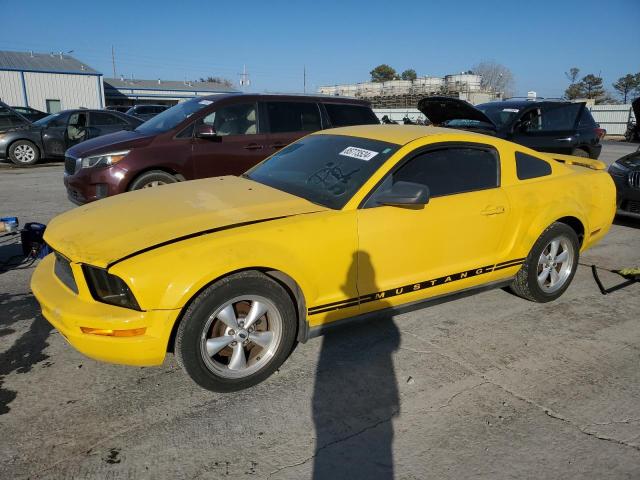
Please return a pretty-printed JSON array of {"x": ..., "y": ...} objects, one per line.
[
  {"x": 324, "y": 169},
  {"x": 168, "y": 119},
  {"x": 499, "y": 114},
  {"x": 43, "y": 122}
]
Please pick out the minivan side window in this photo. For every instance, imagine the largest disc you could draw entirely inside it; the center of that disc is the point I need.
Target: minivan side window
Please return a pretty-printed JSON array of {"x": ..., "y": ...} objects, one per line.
[
  {"x": 441, "y": 171},
  {"x": 293, "y": 117},
  {"x": 234, "y": 120},
  {"x": 560, "y": 117},
  {"x": 343, "y": 115}
]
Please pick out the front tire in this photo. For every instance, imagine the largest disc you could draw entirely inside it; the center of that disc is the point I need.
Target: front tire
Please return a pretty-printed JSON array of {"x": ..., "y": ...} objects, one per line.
[
  {"x": 237, "y": 332},
  {"x": 24, "y": 153},
  {"x": 550, "y": 266},
  {"x": 154, "y": 178}
]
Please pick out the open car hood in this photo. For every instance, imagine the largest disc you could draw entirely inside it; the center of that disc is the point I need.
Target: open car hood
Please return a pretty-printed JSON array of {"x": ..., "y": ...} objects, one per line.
[
  {"x": 442, "y": 109},
  {"x": 635, "y": 105}
]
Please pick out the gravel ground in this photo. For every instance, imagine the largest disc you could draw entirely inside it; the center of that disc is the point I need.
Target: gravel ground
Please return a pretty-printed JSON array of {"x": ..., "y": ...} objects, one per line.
[{"x": 490, "y": 386}]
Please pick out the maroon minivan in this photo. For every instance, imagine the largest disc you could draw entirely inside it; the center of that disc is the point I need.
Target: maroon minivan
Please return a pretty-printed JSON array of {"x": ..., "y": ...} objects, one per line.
[{"x": 203, "y": 137}]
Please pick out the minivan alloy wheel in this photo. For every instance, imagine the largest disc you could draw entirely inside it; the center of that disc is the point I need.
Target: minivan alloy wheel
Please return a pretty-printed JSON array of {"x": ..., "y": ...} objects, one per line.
[
  {"x": 555, "y": 264},
  {"x": 241, "y": 336},
  {"x": 24, "y": 153}
]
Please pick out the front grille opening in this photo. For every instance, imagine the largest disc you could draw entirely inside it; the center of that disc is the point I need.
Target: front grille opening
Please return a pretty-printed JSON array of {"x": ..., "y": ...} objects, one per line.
[{"x": 69, "y": 165}]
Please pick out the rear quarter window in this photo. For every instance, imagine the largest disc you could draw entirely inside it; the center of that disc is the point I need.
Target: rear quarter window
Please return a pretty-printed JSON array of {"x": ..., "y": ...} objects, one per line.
[
  {"x": 528, "y": 166},
  {"x": 342, "y": 115}
]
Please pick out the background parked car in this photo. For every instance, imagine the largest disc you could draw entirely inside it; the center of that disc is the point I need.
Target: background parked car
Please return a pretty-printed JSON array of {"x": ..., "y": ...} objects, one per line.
[
  {"x": 30, "y": 114},
  {"x": 146, "y": 112},
  {"x": 10, "y": 119},
  {"x": 626, "y": 175},
  {"x": 544, "y": 125},
  {"x": 203, "y": 137},
  {"x": 633, "y": 127},
  {"x": 119, "y": 108},
  {"x": 50, "y": 136}
]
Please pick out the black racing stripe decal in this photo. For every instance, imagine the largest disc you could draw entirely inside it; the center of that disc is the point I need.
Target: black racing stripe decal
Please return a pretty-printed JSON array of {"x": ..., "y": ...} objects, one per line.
[
  {"x": 194, "y": 235},
  {"x": 413, "y": 287}
]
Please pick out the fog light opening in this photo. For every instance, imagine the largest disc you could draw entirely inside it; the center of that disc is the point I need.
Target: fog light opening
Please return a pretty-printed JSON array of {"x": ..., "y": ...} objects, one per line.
[{"x": 107, "y": 332}]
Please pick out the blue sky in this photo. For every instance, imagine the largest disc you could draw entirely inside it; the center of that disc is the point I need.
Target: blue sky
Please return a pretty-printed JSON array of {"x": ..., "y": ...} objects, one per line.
[{"x": 337, "y": 41}]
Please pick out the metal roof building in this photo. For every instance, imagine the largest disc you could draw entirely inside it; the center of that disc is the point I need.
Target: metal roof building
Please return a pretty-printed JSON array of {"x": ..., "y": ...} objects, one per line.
[
  {"x": 49, "y": 81},
  {"x": 123, "y": 91}
]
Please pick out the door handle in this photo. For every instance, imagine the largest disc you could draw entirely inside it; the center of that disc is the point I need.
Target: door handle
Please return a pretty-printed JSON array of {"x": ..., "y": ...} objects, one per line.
[
  {"x": 253, "y": 146},
  {"x": 493, "y": 210},
  {"x": 568, "y": 139},
  {"x": 278, "y": 145}
]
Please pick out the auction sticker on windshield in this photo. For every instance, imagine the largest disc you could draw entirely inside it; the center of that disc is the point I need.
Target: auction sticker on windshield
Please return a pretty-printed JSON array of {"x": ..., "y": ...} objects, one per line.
[{"x": 359, "y": 153}]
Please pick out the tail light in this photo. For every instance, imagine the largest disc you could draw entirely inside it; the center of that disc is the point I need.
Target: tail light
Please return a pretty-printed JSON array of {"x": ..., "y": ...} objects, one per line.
[{"x": 600, "y": 132}]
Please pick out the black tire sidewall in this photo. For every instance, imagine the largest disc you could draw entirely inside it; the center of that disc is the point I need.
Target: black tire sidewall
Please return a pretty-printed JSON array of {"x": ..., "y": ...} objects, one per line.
[
  {"x": 152, "y": 176},
  {"x": 16, "y": 144},
  {"x": 552, "y": 232},
  {"x": 190, "y": 329}
]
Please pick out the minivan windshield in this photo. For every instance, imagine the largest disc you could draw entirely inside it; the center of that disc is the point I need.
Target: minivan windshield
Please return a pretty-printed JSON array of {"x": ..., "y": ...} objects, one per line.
[
  {"x": 165, "y": 121},
  {"x": 324, "y": 169}
]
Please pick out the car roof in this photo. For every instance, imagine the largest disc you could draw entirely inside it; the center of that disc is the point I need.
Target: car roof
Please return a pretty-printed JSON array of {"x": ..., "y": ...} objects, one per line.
[
  {"x": 521, "y": 103},
  {"x": 286, "y": 96},
  {"x": 398, "y": 134}
]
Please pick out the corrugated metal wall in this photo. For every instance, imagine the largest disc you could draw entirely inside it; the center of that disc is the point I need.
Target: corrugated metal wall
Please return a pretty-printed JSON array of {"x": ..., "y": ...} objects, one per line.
[
  {"x": 73, "y": 91},
  {"x": 613, "y": 118},
  {"x": 11, "y": 88}
]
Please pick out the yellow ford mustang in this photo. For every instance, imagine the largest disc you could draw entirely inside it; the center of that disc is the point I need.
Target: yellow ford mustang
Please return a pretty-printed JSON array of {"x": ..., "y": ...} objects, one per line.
[{"x": 231, "y": 272}]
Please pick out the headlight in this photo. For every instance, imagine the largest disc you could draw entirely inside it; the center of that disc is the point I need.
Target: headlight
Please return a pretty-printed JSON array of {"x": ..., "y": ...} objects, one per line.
[
  {"x": 616, "y": 169},
  {"x": 104, "y": 160},
  {"x": 108, "y": 288}
]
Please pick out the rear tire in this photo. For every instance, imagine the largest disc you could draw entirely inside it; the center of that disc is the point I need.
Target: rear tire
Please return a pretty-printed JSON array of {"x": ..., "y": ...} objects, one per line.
[
  {"x": 579, "y": 152},
  {"x": 154, "y": 178},
  {"x": 223, "y": 346},
  {"x": 550, "y": 266},
  {"x": 24, "y": 153}
]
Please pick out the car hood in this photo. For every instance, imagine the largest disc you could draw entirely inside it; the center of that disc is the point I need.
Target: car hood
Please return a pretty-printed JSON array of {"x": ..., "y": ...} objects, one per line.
[
  {"x": 122, "y": 140},
  {"x": 442, "y": 109},
  {"x": 104, "y": 232}
]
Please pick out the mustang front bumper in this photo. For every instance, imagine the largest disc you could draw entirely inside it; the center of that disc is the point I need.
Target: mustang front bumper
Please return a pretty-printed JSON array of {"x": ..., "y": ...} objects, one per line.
[{"x": 68, "y": 312}]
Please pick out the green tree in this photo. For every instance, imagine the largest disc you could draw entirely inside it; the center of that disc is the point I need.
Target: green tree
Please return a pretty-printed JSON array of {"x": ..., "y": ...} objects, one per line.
[
  {"x": 573, "y": 91},
  {"x": 626, "y": 85},
  {"x": 409, "y": 74},
  {"x": 592, "y": 86},
  {"x": 383, "y": 73}
]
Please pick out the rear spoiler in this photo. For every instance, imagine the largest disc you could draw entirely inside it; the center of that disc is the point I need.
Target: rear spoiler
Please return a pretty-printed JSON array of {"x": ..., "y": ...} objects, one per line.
[{"x": 580, "y": 161}]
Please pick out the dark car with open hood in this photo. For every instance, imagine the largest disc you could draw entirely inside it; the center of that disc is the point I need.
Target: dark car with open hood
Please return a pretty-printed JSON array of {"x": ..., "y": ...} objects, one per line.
[
  {"x": 203, "y": 137},
  {"x": 25, "y": 143},
  {"x": 626, "y": 175},
  {"x": 544, "y": 125}
]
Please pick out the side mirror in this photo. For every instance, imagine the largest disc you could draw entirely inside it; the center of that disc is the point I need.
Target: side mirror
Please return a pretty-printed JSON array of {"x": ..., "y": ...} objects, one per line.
[
  {"x": 404, "y": 194},
  {"x": 206, "y": 131}
]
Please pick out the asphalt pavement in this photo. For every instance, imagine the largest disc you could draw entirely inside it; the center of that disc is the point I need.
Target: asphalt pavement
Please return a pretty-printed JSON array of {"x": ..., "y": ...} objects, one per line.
[{"x": 489, "y": 386}]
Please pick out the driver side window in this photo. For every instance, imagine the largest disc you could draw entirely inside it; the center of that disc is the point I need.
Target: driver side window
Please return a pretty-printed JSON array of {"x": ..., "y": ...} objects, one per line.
[
  {"x": 234, "y": 120},
  {"x": 447, "y": 171},
  {"x": 77, "y": 127}
]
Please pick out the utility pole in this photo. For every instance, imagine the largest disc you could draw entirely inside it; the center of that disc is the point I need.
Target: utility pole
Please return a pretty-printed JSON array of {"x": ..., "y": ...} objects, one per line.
[
  {"x": 244, "y": 77},
  {"x": 113, "y": 61},
  {"x": 304, "y": 78}
]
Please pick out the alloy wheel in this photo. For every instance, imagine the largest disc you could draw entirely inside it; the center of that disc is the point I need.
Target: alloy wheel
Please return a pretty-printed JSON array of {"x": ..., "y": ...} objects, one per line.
[
  {"x": 24, "y": 153},
  {"x": 555, "y": 264},
  {"x": 241, "y": 336}
]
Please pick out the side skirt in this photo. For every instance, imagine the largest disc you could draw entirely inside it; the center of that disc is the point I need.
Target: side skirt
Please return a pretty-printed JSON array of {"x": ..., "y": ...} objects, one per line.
[{"x": 408, "y": 307}]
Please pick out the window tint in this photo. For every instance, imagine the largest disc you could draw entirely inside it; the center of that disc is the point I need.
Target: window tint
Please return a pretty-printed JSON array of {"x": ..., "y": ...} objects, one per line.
[
  {"x": 451, "y": 170},
  {"x": 560, "y": 117},
  {"x": 293, "y": 117},
  {"x": 103, "y": 119},
  {"x": 345, "y": 115},
  {"x": 528, "y": 166},
  {"x": 234, "y": 120},
  {"x": 586, "y": 120}
]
